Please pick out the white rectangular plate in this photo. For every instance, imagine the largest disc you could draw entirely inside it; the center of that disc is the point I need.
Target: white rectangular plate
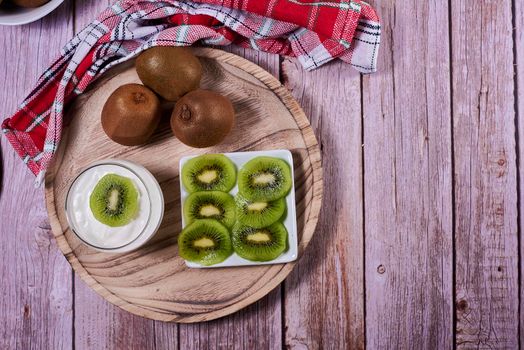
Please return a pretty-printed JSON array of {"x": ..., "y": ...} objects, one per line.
[{"x": 290, "y": 222}]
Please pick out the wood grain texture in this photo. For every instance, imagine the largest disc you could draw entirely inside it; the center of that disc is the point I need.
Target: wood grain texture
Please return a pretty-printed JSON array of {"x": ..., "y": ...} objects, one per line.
[
  {"x": 258, "y": 326},
  {"x": 485, "y": 176},
  {"x": 407, "y": 181},
  {"x": 85, "y": 11},
  {"x": 518, "y": 21},
  {"x": 99, "y": 324},
  {"x": 406, "y": 192},
  {"x": 324, "y": 304},
  {"x": 35, "y": 279},
  {"x": 154, "y": 281}
]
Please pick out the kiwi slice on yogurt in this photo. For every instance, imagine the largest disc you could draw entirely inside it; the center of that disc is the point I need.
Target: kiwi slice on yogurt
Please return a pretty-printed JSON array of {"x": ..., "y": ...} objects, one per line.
[{"x": 114, "y": 200}]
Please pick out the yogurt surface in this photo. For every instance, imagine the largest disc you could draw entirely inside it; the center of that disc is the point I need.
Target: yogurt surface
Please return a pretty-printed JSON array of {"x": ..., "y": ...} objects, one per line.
[{"x": 90, "y": 229}]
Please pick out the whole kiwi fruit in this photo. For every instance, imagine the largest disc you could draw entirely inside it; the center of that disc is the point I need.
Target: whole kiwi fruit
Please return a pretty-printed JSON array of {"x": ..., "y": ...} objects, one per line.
[
  {"x": 169, "y": 71},
  {"x": 131, "y": 114},
  {"x": 29, "y": 3},
  {"x": 202, "y": 118}
]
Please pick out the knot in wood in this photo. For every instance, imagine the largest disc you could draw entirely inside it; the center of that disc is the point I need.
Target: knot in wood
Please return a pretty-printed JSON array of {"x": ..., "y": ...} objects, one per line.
[{"x": 462, "y": 305}]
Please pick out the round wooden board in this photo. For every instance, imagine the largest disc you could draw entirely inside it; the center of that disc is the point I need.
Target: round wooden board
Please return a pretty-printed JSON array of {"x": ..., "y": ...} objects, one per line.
[{"x": 153, "y": 281}]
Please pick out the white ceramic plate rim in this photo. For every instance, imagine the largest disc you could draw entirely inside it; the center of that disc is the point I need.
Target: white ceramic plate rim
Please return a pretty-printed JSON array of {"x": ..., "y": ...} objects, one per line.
[
  {"x": 239, "y": 159},
  {"x": 27, "y": 15}
]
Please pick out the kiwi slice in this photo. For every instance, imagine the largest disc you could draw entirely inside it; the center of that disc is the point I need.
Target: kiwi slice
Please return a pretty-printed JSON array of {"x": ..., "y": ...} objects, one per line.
[
  {"x": 209, "y": 172},
  {"x": 259, "y": 213},
  {"x": 264, "y": 178},
  {"x": 114, "y": 200},
  {"x": 259, "y": 244},
  {"x": 206, "y": 242},
  {"x": 210, "y": 205}
]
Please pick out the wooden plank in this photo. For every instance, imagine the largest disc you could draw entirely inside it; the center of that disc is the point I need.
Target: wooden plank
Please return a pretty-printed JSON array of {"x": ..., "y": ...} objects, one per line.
[
  {"x": 36, "y": 308},
  {"x": 256, "y": 327},
  {"x": 86, "y": 11},
  {"x": 485, "y": 175},
  {"x": 324, "y": 304},
  {"x": 259, "y": 325},
  {"x": 518, "y": 21},
  {"x": 99, "y": 324},
  {"x": 407, "y": 181}
]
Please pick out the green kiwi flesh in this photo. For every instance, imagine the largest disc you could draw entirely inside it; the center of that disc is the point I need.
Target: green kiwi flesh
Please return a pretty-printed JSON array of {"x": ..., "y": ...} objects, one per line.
[
  {"x": 114, "y": 200},
  {"x": 215, "y": 205},
  {"x": 206, "y": 242},
  {"x": 259, "y": 213},
  {"x": 259, "y": 244},
  {"x": 209, "y": 172},
  {"x": 264, "y": 178}
]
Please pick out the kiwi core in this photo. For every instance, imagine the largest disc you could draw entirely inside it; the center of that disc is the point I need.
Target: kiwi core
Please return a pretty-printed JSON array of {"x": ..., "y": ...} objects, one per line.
[
  {"x": 207, "y": 176},
  {"x": 259, "y": 237},
  {"x": 257, "y": 206},
  {"x": 204, "y": 243},
  {"x": 113, "y": 200},
  {"x": 263, "y": 178},
  {"x": 209, "y": 210}
]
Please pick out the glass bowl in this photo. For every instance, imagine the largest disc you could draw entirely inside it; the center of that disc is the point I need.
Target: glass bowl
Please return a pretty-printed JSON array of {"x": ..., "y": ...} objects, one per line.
[
  {"x": 14, "y": 15},
  {"x": 114, "y": 239}
]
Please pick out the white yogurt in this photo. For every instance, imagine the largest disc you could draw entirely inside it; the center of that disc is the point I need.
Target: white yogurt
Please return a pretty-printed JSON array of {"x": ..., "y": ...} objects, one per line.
[{"x": 104, "y": 237}]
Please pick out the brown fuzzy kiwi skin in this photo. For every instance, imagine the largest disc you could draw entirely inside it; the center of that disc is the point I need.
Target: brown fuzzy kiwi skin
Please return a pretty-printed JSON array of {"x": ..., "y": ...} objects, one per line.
[
  {"x": 169, "y": 71},
  {"x": 131, "y": 114},
  {"x": 29, "y": 3},
  {"x": 202, "y": 118}
]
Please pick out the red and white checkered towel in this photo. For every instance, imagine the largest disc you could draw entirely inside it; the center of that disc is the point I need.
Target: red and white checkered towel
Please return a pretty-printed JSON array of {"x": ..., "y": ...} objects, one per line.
[{"x": 313, "y": 31}]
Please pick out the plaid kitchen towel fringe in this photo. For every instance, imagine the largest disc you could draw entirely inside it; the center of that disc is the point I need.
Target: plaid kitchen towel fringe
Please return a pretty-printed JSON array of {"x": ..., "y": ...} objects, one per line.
[{"x": 313, "y": 31}]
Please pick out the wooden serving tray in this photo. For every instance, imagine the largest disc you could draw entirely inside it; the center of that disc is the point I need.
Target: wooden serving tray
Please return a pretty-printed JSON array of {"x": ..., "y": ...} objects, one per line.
[{"x": 153, "y": 281}]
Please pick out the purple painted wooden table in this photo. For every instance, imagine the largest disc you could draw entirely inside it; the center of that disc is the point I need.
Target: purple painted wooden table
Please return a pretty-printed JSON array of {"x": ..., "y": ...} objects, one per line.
[{"x": 419, "y": 241}]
